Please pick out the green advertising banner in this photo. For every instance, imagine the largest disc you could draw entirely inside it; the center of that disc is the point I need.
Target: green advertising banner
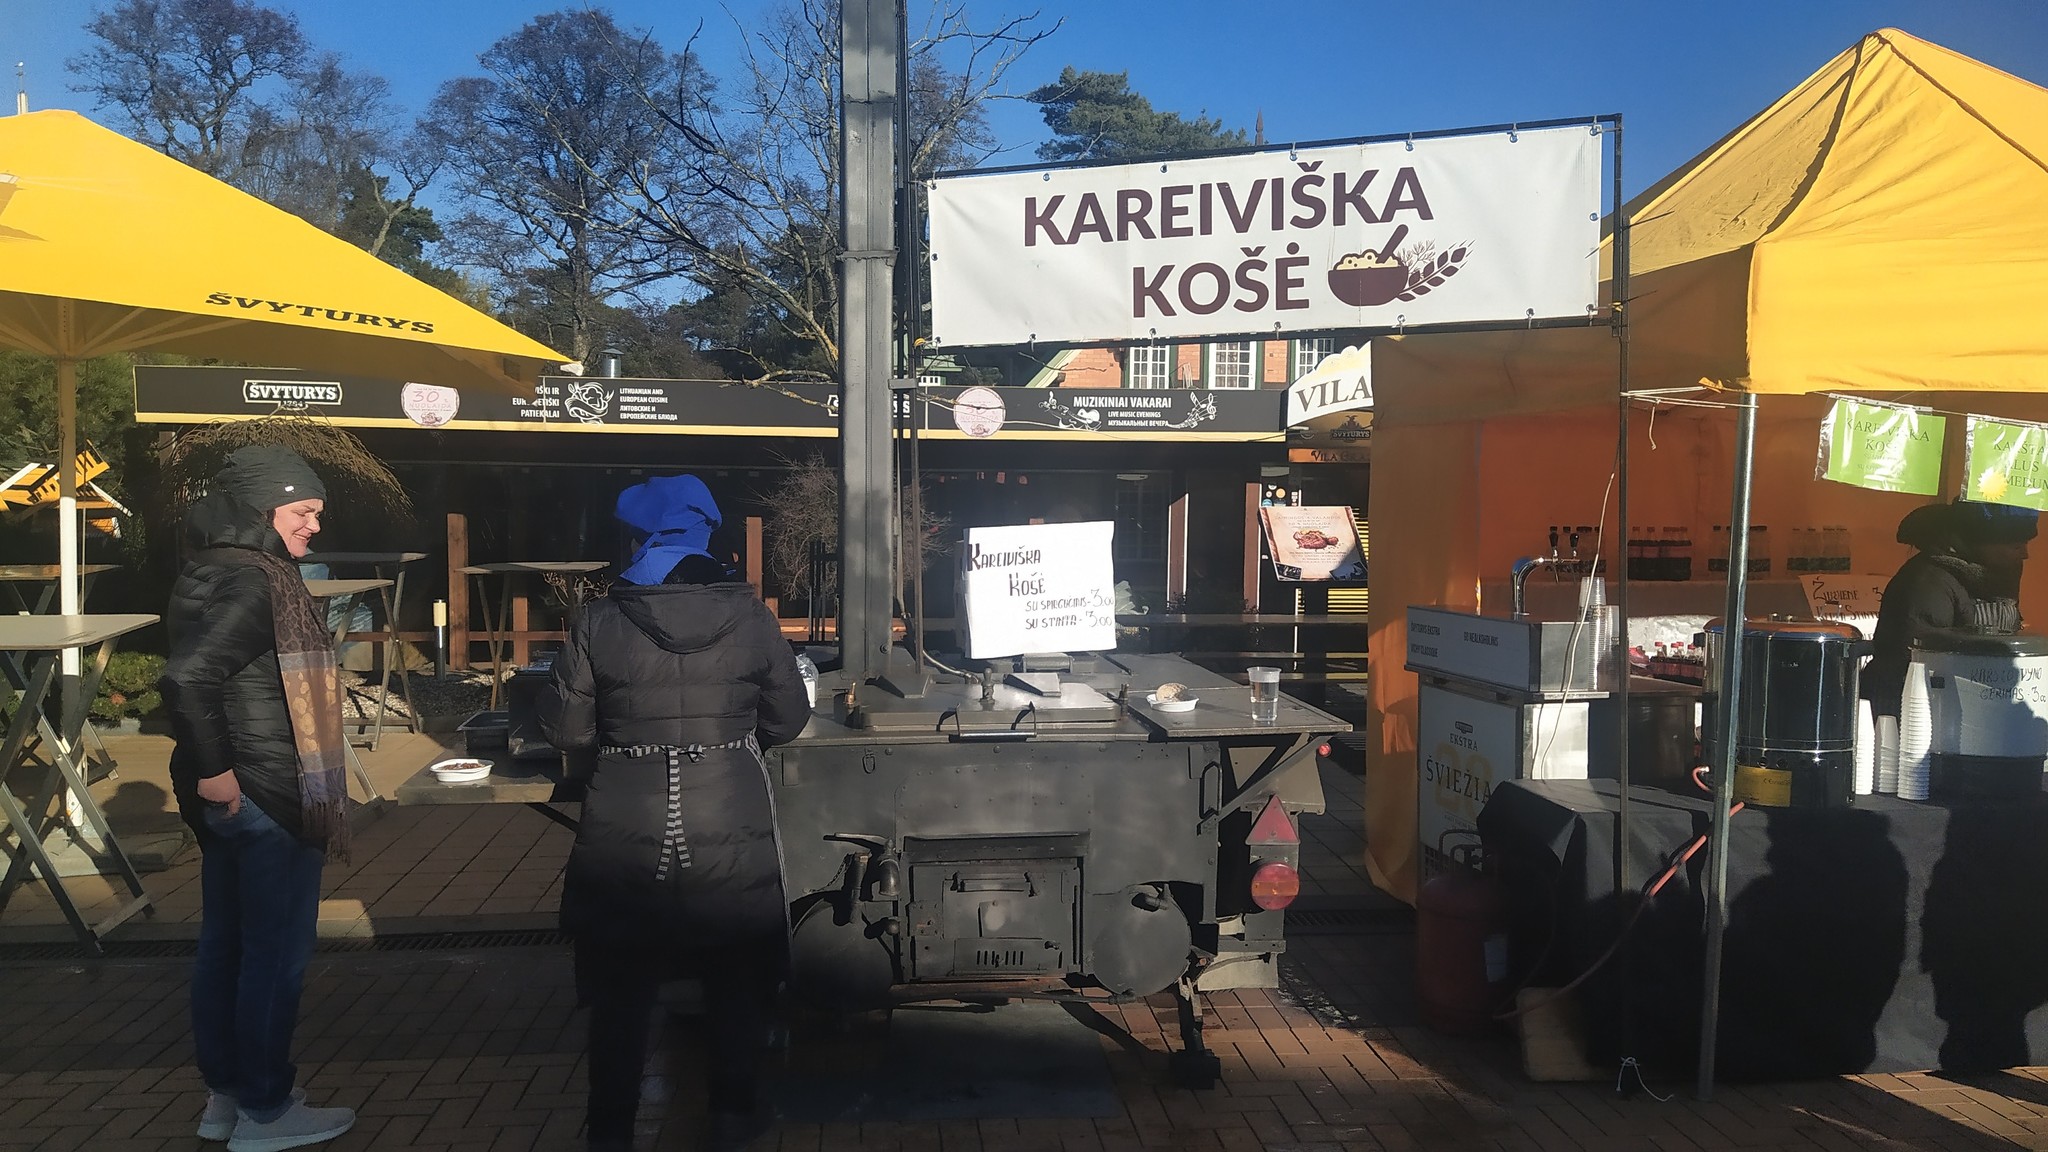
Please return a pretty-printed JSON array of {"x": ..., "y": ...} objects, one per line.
[
  {"x": 2006, "y": 463},
  {"x": 1883, "y": 447}
]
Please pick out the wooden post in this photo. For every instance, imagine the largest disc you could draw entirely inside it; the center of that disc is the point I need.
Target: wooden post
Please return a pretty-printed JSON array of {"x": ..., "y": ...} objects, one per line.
[
  {"x": 1251, "y": 545},
  {"x": 755, "y": 556},
  {"x": 520, "y": 654},
  {"x": 458, "y": 592},
  {"x": 1177, "y": 550}
]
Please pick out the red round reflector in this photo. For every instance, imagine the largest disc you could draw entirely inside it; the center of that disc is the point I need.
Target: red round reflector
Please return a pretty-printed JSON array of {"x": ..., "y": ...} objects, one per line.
[
  {"x": 1275, "y": 885},
  {"x": 1323, "y": 751}
]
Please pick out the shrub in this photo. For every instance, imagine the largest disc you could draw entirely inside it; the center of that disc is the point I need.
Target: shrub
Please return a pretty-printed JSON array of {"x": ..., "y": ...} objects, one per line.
[{"x": 129, "y": 687}]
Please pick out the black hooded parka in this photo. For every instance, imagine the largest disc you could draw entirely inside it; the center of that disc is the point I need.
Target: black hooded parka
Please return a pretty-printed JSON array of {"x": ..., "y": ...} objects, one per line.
[
  {"x": 678, "y": 848},
  {"x": 221, "y": 686}
]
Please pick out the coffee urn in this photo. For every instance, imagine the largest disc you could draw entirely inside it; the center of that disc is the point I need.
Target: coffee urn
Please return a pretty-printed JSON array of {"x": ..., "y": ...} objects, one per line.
[{"x": 1795, "y": 711}]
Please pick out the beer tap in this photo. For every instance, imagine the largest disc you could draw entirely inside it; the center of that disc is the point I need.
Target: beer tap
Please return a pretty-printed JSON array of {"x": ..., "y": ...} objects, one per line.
[{"x": 1519, "y": 575}]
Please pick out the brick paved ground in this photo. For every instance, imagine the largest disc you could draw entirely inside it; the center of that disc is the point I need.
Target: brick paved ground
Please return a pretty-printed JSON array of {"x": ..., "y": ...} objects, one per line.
[{"x": 480, "y": 1050}]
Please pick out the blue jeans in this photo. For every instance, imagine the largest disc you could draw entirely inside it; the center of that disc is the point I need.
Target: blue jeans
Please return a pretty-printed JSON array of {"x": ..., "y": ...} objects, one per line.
[{"x": 261, "y": 892}]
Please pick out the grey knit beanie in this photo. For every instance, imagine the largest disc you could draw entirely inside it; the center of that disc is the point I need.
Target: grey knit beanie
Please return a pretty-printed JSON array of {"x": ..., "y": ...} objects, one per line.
[{"x": 268, "y": 476}]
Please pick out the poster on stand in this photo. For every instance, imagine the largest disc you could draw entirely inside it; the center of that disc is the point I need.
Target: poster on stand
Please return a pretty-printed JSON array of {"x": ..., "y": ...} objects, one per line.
[
  {"x": 1039, "y": 588},
  {"x": 1313, "y": 543},
  {"x": 2006, "y": 463}
]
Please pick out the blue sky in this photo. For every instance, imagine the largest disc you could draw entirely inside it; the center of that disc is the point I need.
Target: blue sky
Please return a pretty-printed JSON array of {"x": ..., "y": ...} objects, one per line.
[{"x": 1682, "y": 74}]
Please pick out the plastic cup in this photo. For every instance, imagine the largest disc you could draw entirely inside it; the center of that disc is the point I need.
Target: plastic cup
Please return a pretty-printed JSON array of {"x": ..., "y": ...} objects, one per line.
[{"x": 1265, "y": 684}]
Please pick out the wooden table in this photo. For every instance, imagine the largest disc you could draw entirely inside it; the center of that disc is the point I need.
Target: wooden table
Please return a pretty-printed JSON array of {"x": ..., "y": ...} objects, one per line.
[
  {"x": 31, "y": 648},
  {"x": 498, "y": 624},
  {"x": 536, "y": 783},
  {"x": 384, "y": 566},
  {"x": 14, "y": 576}
]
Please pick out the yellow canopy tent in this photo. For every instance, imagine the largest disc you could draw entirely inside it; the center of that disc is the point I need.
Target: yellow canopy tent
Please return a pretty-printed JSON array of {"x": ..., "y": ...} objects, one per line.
[
  {"x": 108, "y": 246},
  {"x": 1881, "y": 228}
]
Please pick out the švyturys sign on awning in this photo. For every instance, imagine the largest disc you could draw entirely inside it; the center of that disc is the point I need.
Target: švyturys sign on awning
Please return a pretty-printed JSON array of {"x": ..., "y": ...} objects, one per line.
[
  {"x": 166, "y": 394},
  {"x": 1493, "y": 227}
]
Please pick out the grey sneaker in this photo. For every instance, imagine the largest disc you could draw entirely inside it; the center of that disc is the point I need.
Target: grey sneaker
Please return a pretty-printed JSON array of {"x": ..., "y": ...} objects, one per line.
[
  {"x": 296, "y": 1128},
  {"x": 218, "y": 1121}
]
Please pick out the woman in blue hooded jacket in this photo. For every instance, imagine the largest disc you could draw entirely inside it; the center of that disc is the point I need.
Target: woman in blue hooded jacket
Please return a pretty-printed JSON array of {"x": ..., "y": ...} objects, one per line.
[{"x": 676, "y": 681}]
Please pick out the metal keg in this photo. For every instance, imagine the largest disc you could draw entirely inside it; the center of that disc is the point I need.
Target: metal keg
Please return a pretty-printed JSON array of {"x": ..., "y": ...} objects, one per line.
[{"x": 1795, "y": 715}]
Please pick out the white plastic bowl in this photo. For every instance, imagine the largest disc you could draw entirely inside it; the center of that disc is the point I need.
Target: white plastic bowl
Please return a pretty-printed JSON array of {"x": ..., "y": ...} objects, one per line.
[
  {"x": 462, "y": 771},
  {"x": 1184, "y": 704}
]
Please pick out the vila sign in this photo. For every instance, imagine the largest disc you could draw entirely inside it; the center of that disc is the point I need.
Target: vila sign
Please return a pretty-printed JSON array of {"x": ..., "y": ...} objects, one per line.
[
  {"x": 1342, "y": 382},
  {"x": 1459, "y": 229}
]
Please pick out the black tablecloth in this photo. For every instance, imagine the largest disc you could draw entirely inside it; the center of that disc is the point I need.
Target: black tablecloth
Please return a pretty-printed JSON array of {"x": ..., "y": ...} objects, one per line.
[{"x": 1890, "y": 936}]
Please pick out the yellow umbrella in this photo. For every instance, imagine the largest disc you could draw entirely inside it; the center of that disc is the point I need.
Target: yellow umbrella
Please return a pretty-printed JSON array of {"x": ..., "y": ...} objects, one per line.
[{"x": 109, "y": 246}]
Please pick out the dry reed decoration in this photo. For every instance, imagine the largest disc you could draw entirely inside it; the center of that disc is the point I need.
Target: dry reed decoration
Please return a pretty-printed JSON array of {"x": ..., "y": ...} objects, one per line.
[
  {"x": 354, "y": 475},
  {"x": 802, "y": 512}
]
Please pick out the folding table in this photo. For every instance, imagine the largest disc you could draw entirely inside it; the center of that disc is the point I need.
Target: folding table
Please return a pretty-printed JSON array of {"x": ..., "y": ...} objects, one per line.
[
  {"x": 16, "y": 576},
  {"x": 389, "y": 567},
  {"x": 498, "y": 625},
  {"x": 17, "y": 579},
  {"x": 326, "y": 590},
  {"x": 31, "y": 649}
]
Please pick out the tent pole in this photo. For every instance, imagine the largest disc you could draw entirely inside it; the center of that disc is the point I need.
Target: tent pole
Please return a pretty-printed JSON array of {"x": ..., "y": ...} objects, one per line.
[
  {"x": 1624, "y": 868},
  {"x": 1726, "y": 712},
  {"x": 67, "y": 509}
]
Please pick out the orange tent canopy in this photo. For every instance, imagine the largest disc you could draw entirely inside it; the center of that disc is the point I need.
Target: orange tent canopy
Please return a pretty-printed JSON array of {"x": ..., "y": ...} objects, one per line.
[{"x": 1883, "y": 228}]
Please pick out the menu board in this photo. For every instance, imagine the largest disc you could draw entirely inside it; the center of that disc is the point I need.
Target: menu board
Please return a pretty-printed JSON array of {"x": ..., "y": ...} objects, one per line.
[
  {"x": 1313, "y": 544},
  {"x": 1038, "y": 588}
]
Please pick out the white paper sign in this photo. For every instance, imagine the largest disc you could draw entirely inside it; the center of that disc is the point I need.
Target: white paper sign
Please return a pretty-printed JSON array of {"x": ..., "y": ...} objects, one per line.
[
  {"x": 1493, "y": 227},
  {"x": 1342, "y": 382},
  {"x": 1039, "y": 588},
  {"x": 1840, "y": 594}
]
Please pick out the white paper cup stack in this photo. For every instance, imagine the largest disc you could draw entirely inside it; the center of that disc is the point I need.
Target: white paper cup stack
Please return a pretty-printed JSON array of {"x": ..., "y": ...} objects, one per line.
[
  {"x": 1888, "y": 754},
  {"x": 1916, "y": 734},
  {"x": 1866, "y": 749}
]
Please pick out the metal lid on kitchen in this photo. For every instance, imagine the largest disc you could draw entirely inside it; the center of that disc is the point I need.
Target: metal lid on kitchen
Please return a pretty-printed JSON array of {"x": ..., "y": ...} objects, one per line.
[{"x": 1790, "y": 628}]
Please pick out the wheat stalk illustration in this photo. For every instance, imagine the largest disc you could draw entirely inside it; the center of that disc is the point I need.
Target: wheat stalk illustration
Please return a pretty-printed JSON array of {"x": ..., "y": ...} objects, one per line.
[{"x": 1428, "y": 269}]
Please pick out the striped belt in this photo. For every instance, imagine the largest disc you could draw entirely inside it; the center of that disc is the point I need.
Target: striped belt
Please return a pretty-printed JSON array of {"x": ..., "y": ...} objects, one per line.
[
  {"x": 694, "y": 751},
  {"x": 675, "y": 851}
]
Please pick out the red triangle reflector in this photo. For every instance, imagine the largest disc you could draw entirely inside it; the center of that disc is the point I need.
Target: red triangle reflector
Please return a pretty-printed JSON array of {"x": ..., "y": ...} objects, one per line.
[{"x": 1273, "y": 826}]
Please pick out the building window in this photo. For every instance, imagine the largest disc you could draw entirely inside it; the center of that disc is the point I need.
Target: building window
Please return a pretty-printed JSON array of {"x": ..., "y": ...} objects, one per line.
[
  {"x": 1234, "y": 365},
  {"x": 1309, "y": 353},
  {"x": 1148, "y": 366}
]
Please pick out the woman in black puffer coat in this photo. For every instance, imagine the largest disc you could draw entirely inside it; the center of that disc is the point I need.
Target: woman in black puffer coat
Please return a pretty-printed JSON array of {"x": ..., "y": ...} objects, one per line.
[
  {"x": 262, "y": 788},
  {"x": 676, "y": 681}
]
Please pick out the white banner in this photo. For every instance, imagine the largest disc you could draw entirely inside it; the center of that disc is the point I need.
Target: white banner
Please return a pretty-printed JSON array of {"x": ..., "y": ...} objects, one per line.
[
  {"x": 1038, "y": 588},
  {"x": 1342, "y": 382},
  {"x": 1495, "y": 227}
]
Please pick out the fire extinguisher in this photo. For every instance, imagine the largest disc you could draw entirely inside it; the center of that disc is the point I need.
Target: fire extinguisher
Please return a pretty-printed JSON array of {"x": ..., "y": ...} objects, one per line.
[{"x": 1460, "y": 945}]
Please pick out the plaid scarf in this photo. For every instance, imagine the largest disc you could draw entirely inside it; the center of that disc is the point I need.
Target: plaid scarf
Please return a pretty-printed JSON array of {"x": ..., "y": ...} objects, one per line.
[{"x": 312, "y": 695}]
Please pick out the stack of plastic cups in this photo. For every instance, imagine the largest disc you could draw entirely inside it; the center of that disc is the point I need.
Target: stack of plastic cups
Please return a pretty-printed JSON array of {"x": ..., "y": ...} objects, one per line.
[
  {"x": 1866, "y": 750},
  {"x": 1593, "y": 610},
  {"x": 1888, "y": 754},
  {"x": 1916, "y": 734}
]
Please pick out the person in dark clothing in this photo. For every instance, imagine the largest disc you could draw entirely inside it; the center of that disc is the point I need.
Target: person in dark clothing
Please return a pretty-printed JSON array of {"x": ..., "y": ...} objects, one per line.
[
  {"x": 676, "y": 681},
  {"x": 1968, "y": 552},
  {"x": 254, "y": 702}
]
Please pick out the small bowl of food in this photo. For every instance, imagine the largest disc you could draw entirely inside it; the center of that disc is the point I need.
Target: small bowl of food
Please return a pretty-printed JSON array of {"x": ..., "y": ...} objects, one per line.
[
  {"x": 1171, "y": 698},
  {"x": 460, "y": 771}
]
